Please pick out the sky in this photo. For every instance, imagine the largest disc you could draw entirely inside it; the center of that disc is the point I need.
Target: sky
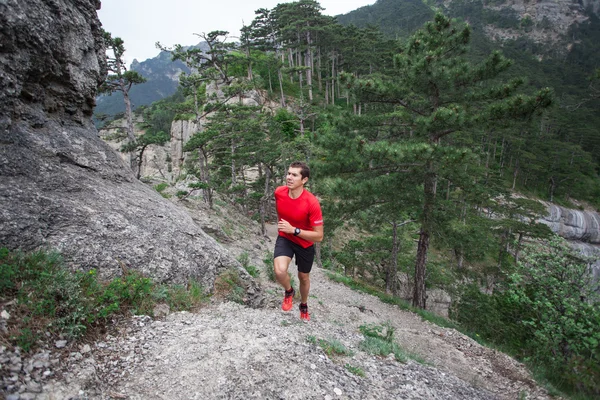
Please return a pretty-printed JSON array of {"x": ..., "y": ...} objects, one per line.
[{"x": 142, "y": 23}]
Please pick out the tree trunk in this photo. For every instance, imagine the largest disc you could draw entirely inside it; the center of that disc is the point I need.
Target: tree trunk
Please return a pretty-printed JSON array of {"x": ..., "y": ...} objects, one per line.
[
  {"x": 333, "y": 80},
  {"x": 318, "y": 259},
  {"x": 308, "y": 64},
  {"x": 291, "y": 63},
  {"x": 280, "y": 78},
  {"x": 516, "y": 171},
  {"x": 430, "y": 188},
  {"x": 319, "y": 74},
  {"x": 460, "y": 257},
  {"x": 205, "y": 177},
  {"x": 130, "y": 129},
  {"x": 233, "y": 171},
  {"x": 390, "y": 278},
  {"x": 518, "y": 249},
  {"x": 419, "y": 295},
  {"x": 140, "y": 160},
  {"x": 264, "y": 201}
]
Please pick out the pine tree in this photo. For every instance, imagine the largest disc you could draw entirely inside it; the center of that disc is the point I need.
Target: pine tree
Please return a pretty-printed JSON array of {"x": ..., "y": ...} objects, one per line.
[
  {"x": 434, "y": 95},
  {"x": 121, "y": 80}
]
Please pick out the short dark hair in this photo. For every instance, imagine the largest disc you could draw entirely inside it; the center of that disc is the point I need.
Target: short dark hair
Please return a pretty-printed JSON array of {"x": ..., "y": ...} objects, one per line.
[{"x": 304, "y": 170}]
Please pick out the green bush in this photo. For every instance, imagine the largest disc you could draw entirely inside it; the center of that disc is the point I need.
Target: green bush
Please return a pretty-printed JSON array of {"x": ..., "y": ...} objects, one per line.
[
  {"x": 355, "y": 370},
  {"x": 50, "y": 298},
  {"x": 547, "y": 312},
  {"x": 161, "y": 187},
  {"x": 229, "y": 285},
  {"x": 379, "y": 340},
  {"x": 268, "y": 261},
  {"x": 244, "y": 259},
  {"x": 331, "y": 347},
  {"x": 253, "y": 271}
]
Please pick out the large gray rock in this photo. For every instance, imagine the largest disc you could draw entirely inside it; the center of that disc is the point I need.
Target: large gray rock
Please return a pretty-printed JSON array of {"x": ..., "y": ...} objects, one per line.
[
  {"x": 61, "y": 186},
  {"x": 580, "y": 228},
  {"x": 573, "y": 224}
]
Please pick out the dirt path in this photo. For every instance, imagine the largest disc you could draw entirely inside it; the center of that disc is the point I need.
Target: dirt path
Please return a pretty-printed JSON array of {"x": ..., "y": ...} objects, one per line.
[{"x": 229, "y": 351}]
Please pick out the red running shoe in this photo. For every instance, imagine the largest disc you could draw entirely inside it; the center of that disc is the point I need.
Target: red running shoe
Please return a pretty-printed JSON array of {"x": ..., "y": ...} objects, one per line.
[
  {"x": 287, "y": 300},
  {"x": 304, "y": 316}
]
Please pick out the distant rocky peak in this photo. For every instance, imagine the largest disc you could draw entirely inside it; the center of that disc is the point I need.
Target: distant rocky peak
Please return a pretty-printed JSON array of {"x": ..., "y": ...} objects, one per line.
[{"x": 545, "y": 21}]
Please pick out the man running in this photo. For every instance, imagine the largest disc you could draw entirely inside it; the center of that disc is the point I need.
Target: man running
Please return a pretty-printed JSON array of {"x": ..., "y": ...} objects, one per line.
[{"x": 300, "y": 224}]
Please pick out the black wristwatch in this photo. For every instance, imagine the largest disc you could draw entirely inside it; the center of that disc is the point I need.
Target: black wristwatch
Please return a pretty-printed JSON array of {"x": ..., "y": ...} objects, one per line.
[{"x": 296, "y": 231}]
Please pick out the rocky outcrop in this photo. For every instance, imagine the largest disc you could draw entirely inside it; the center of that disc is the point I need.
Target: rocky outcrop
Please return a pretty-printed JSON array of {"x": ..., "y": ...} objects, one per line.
[
  {"x": 181, "y": 132},
  {"x": 580, "y": 228},
  {"x": 573, "y": 224},
  {"x": 61, "y": 186},
  {"x": 156, "y": 159}
]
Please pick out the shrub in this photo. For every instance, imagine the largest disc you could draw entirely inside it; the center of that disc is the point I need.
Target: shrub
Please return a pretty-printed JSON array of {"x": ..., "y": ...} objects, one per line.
[
  {"x": 547, "y": 312},
  {"x": 244, "y": 259},
  {"x": 229, "y": 285},
  {"x": 253, "y": 271},
  {"x": 268, "y": 261},
  {"x": 50, "y": 298},
  {"x": 330, "y": 347},
  {"x": 379, "y": 340},
  {"x": 355, "y": 370}
]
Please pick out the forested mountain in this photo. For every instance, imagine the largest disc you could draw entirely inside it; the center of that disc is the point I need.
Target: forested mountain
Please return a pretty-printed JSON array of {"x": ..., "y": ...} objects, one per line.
[
  {"x": 431, "y": 147},
  {"x": 552, "y": 43}
]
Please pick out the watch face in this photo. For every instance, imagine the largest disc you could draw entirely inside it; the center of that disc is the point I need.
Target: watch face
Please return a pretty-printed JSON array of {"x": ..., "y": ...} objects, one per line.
[{"x": 297, "y": 231}]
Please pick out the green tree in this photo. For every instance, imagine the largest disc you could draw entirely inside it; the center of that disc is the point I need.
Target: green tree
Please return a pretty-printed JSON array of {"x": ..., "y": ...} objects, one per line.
[
  {"x": 437, "y": 94},
  {"x": 121, "y": 80}
]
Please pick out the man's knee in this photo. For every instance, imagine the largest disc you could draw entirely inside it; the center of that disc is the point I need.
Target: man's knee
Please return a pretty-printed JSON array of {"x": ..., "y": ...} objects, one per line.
[
  {"x": 281, "y": 265},
  {"x": 304, "y": 276}
]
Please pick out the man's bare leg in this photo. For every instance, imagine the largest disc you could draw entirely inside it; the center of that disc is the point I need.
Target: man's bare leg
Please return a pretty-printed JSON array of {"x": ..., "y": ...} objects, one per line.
[
  {"x": 304, "y": 279},
  {"x": 281, "y": 265}
]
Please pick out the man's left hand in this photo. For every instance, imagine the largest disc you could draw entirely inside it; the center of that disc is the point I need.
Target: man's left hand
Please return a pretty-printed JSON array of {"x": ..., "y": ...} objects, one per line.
[{"x": 285, "y": 226}]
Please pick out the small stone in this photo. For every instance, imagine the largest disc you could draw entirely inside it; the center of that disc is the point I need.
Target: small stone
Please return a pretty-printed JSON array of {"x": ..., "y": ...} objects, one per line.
[
  {"x": 5, "y": 314},
  {"x": 86, "y": 349},
  {"x": 34, "y": 387},
  {"x": 161, "y": 310},
  {"x": 60, "y": 344},
  {"x": 313, "y": 366},
  {"x": 15, "y": 367},
  {"x": 338, "y": 391}
]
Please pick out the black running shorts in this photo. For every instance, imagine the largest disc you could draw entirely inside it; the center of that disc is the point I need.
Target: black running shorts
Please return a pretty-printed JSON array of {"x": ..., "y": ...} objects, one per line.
[{"x": 304, "y": 257}]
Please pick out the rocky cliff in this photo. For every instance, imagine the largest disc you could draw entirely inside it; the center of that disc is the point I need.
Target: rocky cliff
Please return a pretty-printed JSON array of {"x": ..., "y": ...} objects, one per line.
[
  {"x": 61, "y": 186},
  {"x": 544, "y": 21},
  {"x": 580, "y": 228}
]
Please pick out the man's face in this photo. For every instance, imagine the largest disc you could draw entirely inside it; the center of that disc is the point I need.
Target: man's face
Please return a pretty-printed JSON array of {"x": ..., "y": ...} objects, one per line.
[{"x": 294, "y": 178}]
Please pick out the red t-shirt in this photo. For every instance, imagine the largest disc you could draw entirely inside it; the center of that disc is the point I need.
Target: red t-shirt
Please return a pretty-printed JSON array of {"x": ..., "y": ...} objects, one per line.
[{"x": 303, "y": 212}]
